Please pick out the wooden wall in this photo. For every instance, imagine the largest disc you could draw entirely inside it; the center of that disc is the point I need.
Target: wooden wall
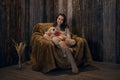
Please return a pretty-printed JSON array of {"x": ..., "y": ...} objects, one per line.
[
  {"x": 14, "y": 24},
  {"x": 96, "y": 20}
]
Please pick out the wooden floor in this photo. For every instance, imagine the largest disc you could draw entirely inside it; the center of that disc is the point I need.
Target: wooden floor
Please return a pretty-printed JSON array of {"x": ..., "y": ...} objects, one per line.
[{"x": 98, "y": 71}]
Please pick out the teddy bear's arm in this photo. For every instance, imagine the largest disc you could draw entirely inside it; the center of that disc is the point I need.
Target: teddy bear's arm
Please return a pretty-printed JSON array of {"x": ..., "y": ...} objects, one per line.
[{"x": 46, "y": 36}]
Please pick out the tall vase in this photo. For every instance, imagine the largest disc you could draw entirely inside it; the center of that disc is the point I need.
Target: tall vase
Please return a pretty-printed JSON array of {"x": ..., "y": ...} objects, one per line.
[{"x": 19, "y": 62}]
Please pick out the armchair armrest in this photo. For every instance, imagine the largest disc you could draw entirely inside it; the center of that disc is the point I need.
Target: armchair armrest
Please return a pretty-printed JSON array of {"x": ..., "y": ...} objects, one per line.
[{"x": 42, "y": 50}]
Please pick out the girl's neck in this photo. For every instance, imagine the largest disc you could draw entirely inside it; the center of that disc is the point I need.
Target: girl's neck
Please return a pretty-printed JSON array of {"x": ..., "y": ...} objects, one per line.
[
  {"x": 59, "y": 28},
  {"x": 58, "y": 25}
]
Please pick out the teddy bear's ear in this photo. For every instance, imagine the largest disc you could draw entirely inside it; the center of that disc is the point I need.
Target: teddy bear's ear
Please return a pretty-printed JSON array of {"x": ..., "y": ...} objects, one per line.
[{"x": 48, "y": 32}]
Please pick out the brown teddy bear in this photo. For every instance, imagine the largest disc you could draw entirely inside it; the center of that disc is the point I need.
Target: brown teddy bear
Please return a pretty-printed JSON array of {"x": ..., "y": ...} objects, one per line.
[
  {"x": 57, "y": 37},
  {"x": 50, "y": 33}
]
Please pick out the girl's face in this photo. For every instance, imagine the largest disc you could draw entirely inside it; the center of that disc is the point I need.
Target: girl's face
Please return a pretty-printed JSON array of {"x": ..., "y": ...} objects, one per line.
[{"x": 60, "y": 20}]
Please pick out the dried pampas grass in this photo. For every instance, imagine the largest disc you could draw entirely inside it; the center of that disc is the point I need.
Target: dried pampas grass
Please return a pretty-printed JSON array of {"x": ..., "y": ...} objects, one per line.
[{"x": 20, "y": 49}]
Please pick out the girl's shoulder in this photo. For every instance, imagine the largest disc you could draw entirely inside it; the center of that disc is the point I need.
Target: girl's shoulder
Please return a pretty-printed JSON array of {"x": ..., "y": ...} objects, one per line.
[{"x": 67, "y": 29}]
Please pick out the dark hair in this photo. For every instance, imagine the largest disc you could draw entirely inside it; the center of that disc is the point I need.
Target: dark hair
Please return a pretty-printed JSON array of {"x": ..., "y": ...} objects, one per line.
[{"x": 64, "y": 24}]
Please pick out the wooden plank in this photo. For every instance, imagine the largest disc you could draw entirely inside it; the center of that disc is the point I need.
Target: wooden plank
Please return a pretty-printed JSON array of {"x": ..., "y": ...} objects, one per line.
[
  {"x": 118, "y": 30},
  {"x": 8, "y": 58},
  {"x": 2, "y": 32},
  {"x": 69, "y": 14},
  {"x": 56, "y": 8},
  {"x": 49, "y": 10},
  {"x": 94, "y": 33},
  {"x": 109, "y": 34},
  {"x": 76, "y": 18}
]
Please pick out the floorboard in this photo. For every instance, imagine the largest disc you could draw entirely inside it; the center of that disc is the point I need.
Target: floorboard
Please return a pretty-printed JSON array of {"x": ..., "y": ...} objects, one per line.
[{"x": 97, "y": 71}]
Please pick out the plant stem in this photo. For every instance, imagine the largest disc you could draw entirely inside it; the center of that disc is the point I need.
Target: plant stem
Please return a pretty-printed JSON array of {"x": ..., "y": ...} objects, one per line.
[{"x": 19, "y": 62}]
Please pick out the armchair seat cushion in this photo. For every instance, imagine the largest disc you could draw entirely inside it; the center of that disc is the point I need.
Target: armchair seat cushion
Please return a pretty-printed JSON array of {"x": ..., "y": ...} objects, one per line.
[{"x": 45, "y": 56}]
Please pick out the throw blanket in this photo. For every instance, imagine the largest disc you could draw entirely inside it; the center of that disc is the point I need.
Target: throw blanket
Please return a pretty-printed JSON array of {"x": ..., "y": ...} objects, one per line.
[{"x": 45, "y": 56}]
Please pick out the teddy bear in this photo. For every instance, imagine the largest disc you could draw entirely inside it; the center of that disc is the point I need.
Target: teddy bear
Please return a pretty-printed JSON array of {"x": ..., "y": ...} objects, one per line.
[
  {"x": 57, "y": 37},
  {"x": 50, "y": 33}
]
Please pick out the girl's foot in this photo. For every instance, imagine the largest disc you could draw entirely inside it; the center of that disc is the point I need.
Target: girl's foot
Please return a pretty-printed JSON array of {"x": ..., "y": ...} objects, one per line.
[{"x": 75, "y": 70}]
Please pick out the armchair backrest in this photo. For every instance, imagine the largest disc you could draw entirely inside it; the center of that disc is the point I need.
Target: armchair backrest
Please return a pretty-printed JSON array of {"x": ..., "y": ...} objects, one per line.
[{"x": 41, "y": 27}]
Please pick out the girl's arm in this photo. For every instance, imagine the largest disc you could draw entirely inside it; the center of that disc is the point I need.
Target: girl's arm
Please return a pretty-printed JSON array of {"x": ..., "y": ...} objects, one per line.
[{"x": 68, "y": 33}]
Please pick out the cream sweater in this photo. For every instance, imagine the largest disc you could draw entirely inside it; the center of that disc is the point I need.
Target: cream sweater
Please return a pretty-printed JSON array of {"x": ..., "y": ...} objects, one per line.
[{"x": 66, "y": 32}]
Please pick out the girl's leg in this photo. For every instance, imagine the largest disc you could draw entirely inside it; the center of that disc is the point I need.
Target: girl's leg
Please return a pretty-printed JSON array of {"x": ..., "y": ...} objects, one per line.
[
  {"x": 69, "y": 56},
  {"x": 58, "y": 43},
  {"x": 71, "y": 60},
  {"x": 56, "y": 40},
  {"x": 70, "y": 42},
  {"x": 62, "y": 45}
]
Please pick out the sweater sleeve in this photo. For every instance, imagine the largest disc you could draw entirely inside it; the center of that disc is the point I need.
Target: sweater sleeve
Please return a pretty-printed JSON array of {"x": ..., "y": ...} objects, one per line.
[{"x": 68, "y": 32}]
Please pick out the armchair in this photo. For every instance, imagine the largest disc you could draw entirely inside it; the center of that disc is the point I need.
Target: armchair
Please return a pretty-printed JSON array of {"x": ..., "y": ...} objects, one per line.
[{"x": 45, "y": 56}]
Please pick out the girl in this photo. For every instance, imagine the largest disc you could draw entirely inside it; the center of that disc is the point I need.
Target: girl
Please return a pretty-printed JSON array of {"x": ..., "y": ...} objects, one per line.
[{"x": 60, "y": 24}]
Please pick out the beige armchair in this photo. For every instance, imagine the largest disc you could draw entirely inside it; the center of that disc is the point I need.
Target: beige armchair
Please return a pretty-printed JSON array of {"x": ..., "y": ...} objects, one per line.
[{"x": 45, "y": 56}]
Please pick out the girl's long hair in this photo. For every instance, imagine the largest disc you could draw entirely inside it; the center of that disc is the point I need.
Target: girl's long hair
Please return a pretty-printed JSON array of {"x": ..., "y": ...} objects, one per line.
[{"x": 64, "y": 24}]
